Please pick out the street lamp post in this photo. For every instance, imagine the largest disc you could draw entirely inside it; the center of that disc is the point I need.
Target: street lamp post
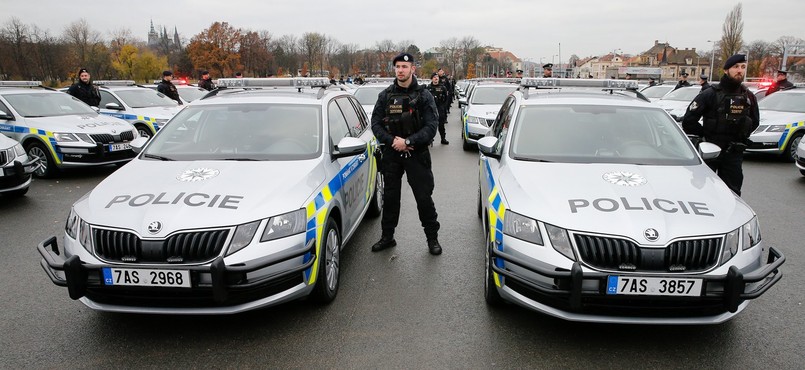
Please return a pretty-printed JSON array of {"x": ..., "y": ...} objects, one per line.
[{"x": 712, "y": 58}]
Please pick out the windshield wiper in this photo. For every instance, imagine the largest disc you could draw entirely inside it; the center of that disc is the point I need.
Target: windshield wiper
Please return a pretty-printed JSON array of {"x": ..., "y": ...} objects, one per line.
[
  {"x": 240, "y": 159},
  {"x": 532, "y": 159},
  {"x": 152, "y": 156}
]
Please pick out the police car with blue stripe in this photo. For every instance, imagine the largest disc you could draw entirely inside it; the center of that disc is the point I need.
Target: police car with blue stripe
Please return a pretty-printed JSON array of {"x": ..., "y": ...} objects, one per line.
[
  {"x": 15, "y": 168},
  {"x": 482, "y": 105},
  {"x": 597, "y": 207},
  {"x": 144, "y": 108},
  {"x": 252, "y": 193},
  {"x": 782, "y": 124},
  {"x": 60, "y": 130}
]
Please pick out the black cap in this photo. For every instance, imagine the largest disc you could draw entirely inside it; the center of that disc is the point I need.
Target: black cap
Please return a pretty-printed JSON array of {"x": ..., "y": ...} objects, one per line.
[
  {"x": 434, "y": 74},
  {"x": 519, "y": 71},
  {"x": 82, "y": 70},
  {"x": 703, "y": 77},
  {"x": 547, "y": 66},
  {"x": 684, "y": 74},
  {"x": 167, "y": 73},
  {"x": 782, "y": 72},
  {"x": 205, "y": 72},
  {"x": 403, "y": 57},
  {"x": 735, "y": 59}
]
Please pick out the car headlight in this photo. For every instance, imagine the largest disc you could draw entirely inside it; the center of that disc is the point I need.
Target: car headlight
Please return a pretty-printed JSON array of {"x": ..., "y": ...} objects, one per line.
[
  {"x": 730, "y": 245},
  {"x": 522, "y": 227},
  {"x": 474, "y": 120},
  {"x": 71, "y": 227},
  {"x": 85, "y": 235},
  {"x": 85, "y": 137},
  {"x": 18, "y": 150},
  {"x": 243, "y": 236},
  {"x": 560, "y": 241},
  {"x": 65, "y": 137},
  {"x": 284, "y": 225},
  {"x": 750, "y": 234},
  {"x": 776, "y": 128}
]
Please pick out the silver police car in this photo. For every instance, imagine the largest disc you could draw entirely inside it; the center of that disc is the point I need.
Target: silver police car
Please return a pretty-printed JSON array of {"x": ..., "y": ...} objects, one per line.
[
  {"x": 251, "y": 194},
  {"x": 16, "y": 168},
  {"x": 598, "y": 208}
]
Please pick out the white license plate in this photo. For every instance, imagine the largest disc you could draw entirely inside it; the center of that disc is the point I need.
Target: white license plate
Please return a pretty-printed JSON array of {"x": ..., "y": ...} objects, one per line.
[
  {"x": 660, "y": 286},
  {"x": 146, "y": 277},
  {"x": 119, "y": 147}
]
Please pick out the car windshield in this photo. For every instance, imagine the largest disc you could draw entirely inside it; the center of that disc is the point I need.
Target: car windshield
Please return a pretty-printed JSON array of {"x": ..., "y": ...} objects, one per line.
[
  {"x": 685, "y": 94},
  {"x": 783, "y": 102},
  {"x": 656, "y": 91},
  {"x": 47, "y": 104},
  {"x": 143, "y": 98},
  {"x": 368, "y": 95},
  {"x": 492, "y": 94},
  {"x": 240, "y": 132},
  {"x": 600, "y": 134},
  {"x": 191, "y": 93}
]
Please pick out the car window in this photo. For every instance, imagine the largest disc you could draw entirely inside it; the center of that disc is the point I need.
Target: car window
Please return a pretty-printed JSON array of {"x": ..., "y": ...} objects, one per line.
[
  {"x": 686, "y": 94},
  {"x": 191, "y": 93},
  {"x": 47, "y": 104},
  {"x": 368, "y": 95},
  {"x": 503, "y": 123},
  {"x": 4, "y": 109},
  {"x": 599, "y": 134},
  {"x": 783, "y": 102},
  {"x": 337, "y": 123},
  {"x": 656, "y": 91},
  {"x": 240, "y": 132},
  {"x": 142, "y": 98},
  {"x": 107, "y": 98},
  {"x": 492, "y": 94},
  {"x": 354, "y": 123}
]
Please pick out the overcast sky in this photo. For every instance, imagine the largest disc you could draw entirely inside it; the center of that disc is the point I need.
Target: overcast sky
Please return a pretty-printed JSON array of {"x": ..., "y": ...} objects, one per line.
[{"x": 531, "y": 29}]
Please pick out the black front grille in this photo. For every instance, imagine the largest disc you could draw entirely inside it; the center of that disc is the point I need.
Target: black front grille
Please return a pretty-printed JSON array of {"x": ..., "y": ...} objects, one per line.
[
  {"x": 126, "y": 136},
  {"x": 3, "y": 158},
  {"x": 190, "y": 247},
  {"x": 103, "y": 138},
  {"x": 620, "y": 254}
]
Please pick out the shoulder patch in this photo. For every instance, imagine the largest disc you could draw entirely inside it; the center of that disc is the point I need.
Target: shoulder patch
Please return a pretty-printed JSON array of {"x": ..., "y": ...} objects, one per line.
[{"x": 694, "y": 105}]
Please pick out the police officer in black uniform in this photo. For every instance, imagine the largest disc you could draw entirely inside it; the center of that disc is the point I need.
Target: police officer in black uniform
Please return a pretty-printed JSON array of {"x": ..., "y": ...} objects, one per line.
[
  {"x": 547, "y": 70},
  {"x": 206, "y": 82},
  {"x": 84, "y": 90},
  {"x": 782, "y": 83},
  {"x": 683, "y": 81},
  {"x": 166, "y": 87},
  {"x": 730, "y": 115},
  {"x": 703, "y": 82},
  {"x": 444, "y": 80},
  {"x": 442, "y": 99},
  {"x": 404, "y": 119}
]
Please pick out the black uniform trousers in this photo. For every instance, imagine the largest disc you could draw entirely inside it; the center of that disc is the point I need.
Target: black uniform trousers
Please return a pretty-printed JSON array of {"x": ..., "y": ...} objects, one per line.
[
  {"x": 442, "y": 108},
  {"x": 417, "y": 168},
  {"x": 728, "y": 167}
]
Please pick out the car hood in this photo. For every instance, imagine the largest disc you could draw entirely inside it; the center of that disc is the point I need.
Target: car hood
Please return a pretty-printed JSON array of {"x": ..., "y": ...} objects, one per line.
[
  {"x": 162, "y": 113},
  {"x": 625, "y": 199},
  {"x": 83, "y": 124},
  {"x": 773, "y": 117},
  {"x": 669, "y": 105},
  {"x": 487, "y": 111},
  {"x": 185, "y": 195}
]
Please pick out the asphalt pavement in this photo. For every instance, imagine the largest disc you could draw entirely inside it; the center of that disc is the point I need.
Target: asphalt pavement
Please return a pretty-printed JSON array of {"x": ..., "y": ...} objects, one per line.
[{"x": 398, "y": 308}]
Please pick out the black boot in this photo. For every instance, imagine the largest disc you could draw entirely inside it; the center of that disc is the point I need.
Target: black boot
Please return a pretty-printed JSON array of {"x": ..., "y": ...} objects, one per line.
[
  {"x": 434, "y": 247},
  {"x": 385, "y": 242},
  {"x": 444, "y": 141}
]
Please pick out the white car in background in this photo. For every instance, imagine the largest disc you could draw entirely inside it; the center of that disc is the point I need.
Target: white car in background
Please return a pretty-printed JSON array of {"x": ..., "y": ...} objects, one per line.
[
  {"x": 16, "y": 168},
  {"x": 676, "y": 102},
  {"x": 146, "y": 109},
  {"x": 657, "y": 91},
  {"x": 782, "y": 124}
]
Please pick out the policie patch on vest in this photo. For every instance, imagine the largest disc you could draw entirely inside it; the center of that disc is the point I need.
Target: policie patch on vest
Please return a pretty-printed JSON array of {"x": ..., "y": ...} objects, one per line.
[{"x": 398, "y": 105}]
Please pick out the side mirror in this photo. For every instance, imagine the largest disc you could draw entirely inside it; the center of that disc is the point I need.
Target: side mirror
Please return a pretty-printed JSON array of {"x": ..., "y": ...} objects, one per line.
[
  {"x": 462, "y": 101},
  {"x": 138, "y": 144},
  {"x": 113, "y": 106},
  {"x": 709, "y": 151},
  {"x": 486, "y": 145},
  {"x": 5, "y": 116},
  {"x": 348, "y": 147}
]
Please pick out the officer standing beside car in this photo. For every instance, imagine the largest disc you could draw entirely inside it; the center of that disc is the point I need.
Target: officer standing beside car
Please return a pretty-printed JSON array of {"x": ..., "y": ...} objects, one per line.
[
  {"x": 84, "y": 90},
  {"x": 206, "y": 82},
  {"x": 683, "y": 81},
  {"x": 547, "y": 70},
  {"x": 730, "y": 114},
  {"x": 166, "y": 87},
  {"x": 405, "y": 119},
  {"x": 440, "y": 95},
  {"x": 445, "y": 81},
  {"x": 703, "y": 82},
  {"x": 782, "y": 83}
]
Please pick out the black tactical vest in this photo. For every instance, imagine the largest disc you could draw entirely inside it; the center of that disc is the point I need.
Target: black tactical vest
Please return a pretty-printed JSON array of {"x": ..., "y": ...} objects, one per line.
[{"x": 402, "y": 118}]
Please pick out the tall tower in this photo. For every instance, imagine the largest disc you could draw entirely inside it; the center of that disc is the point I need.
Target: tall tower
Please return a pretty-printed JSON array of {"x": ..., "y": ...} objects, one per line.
[
  {"x": 153, "y": 38},
  {"x": 176, "y": 41}
]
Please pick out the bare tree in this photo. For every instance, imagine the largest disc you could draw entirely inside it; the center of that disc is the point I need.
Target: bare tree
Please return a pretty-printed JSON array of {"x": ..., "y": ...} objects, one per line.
[
  {"x": 17, "y": 35},
  {"x": 451, "y": 51},
  {"x": 732, "y": 32},
  {"x": 48, "y": 53},
  {"x": 81, "y": 39},
  {"x": 285, "y": 53},
  {"x": 470, "y": 51},
  {"x": 759, "y": 58}
]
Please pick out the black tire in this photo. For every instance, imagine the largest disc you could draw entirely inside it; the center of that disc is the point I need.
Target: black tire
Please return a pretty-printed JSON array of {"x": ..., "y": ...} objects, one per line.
[
  {"x": 480, "y": 209},
  {"x": 143, "y": 130},
  {"x": 790, "y": 152},
  {"x": 47, "y": 166},
  {"x": 491, "y": 294},
  {"x": 376, "y": 203},
  {"x": 16, "y": 193},
  {"x": 802, "y": 172},
  {"x": 329, "y": 263}
]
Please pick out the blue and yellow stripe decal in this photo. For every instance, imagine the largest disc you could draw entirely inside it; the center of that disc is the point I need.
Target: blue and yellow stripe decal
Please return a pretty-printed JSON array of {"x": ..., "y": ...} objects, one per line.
[
  {"x": 464, "y": 124},
  {"x": 20, "y": 132},
  {"x": 791, "y": 127},
  {"x": 151, "y": 121},
  {"x": 317, "y": 209},
  {"x": 496, "y": 212}
]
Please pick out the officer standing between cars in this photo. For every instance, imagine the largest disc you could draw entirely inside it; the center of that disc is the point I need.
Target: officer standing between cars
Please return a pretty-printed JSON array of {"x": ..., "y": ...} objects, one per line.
[
  {"x": 84, "y": 90},
  {"x": 519, "y": 74},
  {"x": 405, "y": 119},
  {"x": 441, "y": 97},
  {"x": 547, "y": 70},
  {"x": 166, "y": 87},
  {"x": 781, "y": 84},
  {"x": 652, "y": 81},
  {"x": 730, "y": 115},
  {"x": 683, "y": 81},
  {"x": 703, "y": 82},
  {"x": 445, "y": 81},
  {"x": 206, "y": 82}
]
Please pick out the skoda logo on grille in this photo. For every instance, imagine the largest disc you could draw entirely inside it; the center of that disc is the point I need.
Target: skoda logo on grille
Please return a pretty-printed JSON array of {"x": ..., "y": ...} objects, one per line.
[
  {"x": 154, "y": 227},
  {"x": 624, "y": 178},
  {"x": 651, "y": 235},
  {"x": 197, "y": 174}
]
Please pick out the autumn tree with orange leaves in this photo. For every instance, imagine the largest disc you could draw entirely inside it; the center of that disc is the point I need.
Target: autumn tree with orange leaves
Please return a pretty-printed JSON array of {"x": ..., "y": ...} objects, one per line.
[{"x": 216, "y": 49}]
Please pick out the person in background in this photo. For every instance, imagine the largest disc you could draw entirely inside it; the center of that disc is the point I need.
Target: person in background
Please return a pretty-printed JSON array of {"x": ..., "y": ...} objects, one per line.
[
  {"x": 206, "y": 82},
  {"x": 782, "y": 83},
  {"x": 84, "y": 90},
  {"x": 166, "y": 87}
]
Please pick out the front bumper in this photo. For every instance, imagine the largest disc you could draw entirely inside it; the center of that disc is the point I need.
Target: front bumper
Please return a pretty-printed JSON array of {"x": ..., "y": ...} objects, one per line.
[
  {"x": 581, "y": 296},
  {"x": 216, "y": 288},
  {"x": 100, "y": 154},
  {"x": 17, "y": 175},
  {"x": 474, "y": 132},
  {"x": 766, "y": 142}
]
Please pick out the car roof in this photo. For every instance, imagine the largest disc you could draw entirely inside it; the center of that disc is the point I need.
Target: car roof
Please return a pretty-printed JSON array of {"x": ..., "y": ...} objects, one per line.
[
  {"x": 582, "y": 97},
  {"x": 311, "y": 96}
]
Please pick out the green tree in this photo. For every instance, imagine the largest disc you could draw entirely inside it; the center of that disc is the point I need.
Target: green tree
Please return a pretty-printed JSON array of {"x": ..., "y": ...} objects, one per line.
[{"x": 147, "y": 66}]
